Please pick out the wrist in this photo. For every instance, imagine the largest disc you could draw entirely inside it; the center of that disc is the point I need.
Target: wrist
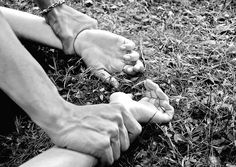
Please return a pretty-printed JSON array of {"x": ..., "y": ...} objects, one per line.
[
  {"x": 51, "y": 7},
  {"x": 80, "y": 43},
  {"x": 49, "y": 117},
  {"x": 67, "y": 23},
  {"x": 45, "y": 3}
]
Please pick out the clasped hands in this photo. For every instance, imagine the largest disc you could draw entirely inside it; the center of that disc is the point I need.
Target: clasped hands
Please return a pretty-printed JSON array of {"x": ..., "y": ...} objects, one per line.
[
  {"x": 105, "y": 130},
  {"x": 107, "y": 53}
]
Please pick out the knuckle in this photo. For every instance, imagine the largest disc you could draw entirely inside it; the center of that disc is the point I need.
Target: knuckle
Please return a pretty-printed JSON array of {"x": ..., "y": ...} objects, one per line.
[
  {"x": 139, "y": 129},
  {"x": 115, "y": 130},
  {"x": 121, "y": 107},
  {"x": 103, "y": 146},
  {"x": 118, "y": 118}
]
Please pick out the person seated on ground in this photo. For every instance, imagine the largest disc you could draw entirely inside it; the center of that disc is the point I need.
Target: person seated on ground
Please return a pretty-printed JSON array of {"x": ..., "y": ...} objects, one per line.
[{"x": 154, "y": 106}]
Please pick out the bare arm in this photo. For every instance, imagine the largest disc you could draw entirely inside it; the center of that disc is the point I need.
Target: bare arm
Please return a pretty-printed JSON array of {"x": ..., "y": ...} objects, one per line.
[
  {"x": 66, "y": 23},
  {"x": 31, "y": 27},
  {"x": 104, "y": 52},
  {"x": 58, "y": 157},
  {"x": 68, "y": 125},
  {"x": 23, "y": 79},
  {"x": 154, "y": 105}
]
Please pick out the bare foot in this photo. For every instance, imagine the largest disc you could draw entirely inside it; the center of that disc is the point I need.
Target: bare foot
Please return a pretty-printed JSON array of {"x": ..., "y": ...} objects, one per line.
[
  {"x": 155, "y": 103},
  {"x": 107, "y": 53}
]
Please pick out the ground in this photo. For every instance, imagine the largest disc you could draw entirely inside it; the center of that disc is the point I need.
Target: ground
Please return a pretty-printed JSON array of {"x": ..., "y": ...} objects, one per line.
[{"x": 189, "y": 49}]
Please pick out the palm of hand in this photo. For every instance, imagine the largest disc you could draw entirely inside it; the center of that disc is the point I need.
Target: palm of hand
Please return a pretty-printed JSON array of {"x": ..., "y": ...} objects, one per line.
[
  {"x": 105, "y": 52},
  {"x": 155, "y": 105}
]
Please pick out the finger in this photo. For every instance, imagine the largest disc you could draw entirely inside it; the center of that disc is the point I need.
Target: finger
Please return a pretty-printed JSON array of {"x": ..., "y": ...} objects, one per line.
[
  {"x": 113, "y": 131},
  {"x": 107, "y": 157},
  {"x": 139, "y": 67},
  {"x": 154, "y": 95},
  {"x": 151, "y": 94},
  {"x": 148, "y": 94},
  {"x": 164, "y": 116},
  {"x": 115, "y": 144},
  {"x": 124, "y": 138},
  {"x": 169, "y": 111},
  {"x": 133, "y": 56},
  {"x": 132, "y": 126},
  {"x": 152, "y": 100},
  {"x": 106, "y": 77},
  {"x": 129, "y": 69},
  {"x": 128, "y": 45},
  {"x": 149, "y": 85},
  {"x": 102, "y": 149}
]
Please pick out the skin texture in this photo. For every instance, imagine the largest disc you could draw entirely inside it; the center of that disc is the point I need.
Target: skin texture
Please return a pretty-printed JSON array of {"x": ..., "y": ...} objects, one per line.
[
  {"x": 155, "y": 101},
  {"x": 104, "y": 52},
  {"x": 24, "y": 80},
  {"x": 115, "y": 56},
  {"x": 155, "y": 104}
]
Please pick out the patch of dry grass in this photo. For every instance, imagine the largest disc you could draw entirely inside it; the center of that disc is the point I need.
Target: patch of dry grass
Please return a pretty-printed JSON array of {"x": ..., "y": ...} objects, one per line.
[{"x": 189, "y": 49}]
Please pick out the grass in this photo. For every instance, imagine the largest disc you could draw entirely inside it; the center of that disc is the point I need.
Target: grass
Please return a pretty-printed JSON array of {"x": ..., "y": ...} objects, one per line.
[{"x": 189, "y": 50}]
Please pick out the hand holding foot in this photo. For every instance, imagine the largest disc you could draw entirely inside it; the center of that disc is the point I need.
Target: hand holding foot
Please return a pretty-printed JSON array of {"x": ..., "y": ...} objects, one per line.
[
  {"x": 154, "y": 104},
  {"x": 107, "y": 53}
]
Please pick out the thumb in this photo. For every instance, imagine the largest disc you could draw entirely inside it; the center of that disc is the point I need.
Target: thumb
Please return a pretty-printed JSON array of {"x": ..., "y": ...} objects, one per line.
[{"x": 106, "y": 77}]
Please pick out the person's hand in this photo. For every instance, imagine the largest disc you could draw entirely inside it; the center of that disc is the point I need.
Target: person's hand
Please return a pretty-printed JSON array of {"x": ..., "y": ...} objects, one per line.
[
  {"x": 66, "y": 23},
  {"x": 107, "y": 53},
  {"x": 154, "y": 105},
  {"x": 99, "y": 130}
]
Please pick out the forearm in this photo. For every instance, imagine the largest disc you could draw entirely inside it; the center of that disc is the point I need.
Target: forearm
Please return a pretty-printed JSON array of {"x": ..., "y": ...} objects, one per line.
[
  {"x": 24, "y": 80},
  {"x": 66, "y": 22},
  {"x": 58, "y": 157},
  {"x": 31, "y": 27}
]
